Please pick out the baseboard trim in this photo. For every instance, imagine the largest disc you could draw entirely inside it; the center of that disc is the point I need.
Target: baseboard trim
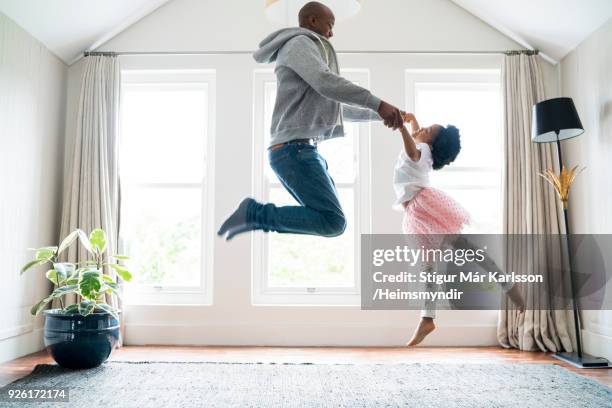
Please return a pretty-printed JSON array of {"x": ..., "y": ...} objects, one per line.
[
  {"x": 21, "y": 345},
  {"x": 16, "y": 331},
  {"x": 597, "y": 344},
  {"x": 285, "y": 335}
]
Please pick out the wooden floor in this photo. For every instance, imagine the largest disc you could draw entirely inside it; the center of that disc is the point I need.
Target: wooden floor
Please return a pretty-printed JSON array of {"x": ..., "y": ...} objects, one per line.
[{"x": 20, "y": 367}]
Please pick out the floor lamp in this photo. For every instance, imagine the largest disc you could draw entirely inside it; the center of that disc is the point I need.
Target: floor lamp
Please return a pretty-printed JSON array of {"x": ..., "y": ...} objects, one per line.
[{"x": 555, "y": 120}]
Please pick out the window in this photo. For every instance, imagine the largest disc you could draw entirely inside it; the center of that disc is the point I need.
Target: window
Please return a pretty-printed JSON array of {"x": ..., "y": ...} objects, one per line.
[
  {"x": 300, "y": 269},
  {"x": 166, "y": 128},
  {"x": 470, "y": 100}
]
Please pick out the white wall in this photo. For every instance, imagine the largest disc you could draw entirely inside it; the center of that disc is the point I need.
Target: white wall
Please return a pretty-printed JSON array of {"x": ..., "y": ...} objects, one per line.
[
  {"x": 213, "y": 25},
  {"x": 32, "y": 108},
  {"x": 199, "y": 25},
  {"x": 587, "y": 78}
]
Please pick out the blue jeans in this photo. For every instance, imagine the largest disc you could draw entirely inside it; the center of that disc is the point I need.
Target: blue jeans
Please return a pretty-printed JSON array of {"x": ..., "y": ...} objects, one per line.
[{"x": 303, "y": 172}]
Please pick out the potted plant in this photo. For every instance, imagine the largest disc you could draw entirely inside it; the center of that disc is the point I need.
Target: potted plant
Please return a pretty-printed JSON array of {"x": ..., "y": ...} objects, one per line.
[{"x": 80, "y": 335}]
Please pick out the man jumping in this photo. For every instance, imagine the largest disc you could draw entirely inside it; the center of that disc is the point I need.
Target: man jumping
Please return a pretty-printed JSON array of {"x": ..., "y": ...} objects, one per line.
[{"x": 312, "y": 102}]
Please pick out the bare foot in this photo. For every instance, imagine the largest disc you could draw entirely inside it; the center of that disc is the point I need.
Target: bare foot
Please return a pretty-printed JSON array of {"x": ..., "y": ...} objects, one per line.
[
  {"x": 426, "y": 326},
  {"x": 517, "y": 298}
]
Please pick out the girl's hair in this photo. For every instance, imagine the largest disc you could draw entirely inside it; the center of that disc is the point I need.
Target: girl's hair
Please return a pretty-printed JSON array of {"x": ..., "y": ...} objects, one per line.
[{"x": 446, "y": 147}]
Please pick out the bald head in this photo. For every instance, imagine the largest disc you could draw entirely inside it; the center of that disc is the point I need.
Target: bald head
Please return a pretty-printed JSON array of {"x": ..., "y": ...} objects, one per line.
[
  {"x": 317, "y": 17},
  {"x": 313, "y": 9}
]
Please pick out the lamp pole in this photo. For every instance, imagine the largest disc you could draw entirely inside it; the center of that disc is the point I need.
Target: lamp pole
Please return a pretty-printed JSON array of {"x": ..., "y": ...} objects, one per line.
[{"x": 569, "y": 258}]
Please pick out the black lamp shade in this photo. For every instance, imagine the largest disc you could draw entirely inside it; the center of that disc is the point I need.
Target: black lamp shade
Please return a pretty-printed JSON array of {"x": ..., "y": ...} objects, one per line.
[{"x": 555, "y": 119}]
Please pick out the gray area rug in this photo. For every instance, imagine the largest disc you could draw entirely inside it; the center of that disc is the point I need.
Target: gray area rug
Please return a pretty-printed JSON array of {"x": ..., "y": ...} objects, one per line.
[{"x": 152, "y": 384}]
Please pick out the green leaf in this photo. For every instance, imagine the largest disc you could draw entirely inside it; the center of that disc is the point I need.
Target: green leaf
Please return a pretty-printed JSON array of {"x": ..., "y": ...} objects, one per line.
[
  {"x": 61, "y": 291},
  {"x": 51, "y": 275},
  {"x": 86, "y": 307},
  {"x": 68, "y": 241},
  {"x": 40, "y": 306},
  {"x": 56, "y": 277},
  {"x": 122, "y": 272},
  {"x": 107, "y": 278},
  {"x": 112, "y": 288},
  {"x": 71, "y": 308},
  {"x": 125, "y": 275},
  {"x": 121, "y": 257},
  {"x": 64, "y": 290},
  {"x": 31, "y": 264},
  {"x": 64, "y": 268},
  {"x": 85, "y": 241},
  {"x": 69, "y": 269},
  {"x": 79, "y": 272},
  {"x": 108, "y": 309},
  {"x": 59, "y": 274},
  {"x": 98, "y": 240},
  {"x": 45, "y": 254},
  {"x": 90, "y": 284}
]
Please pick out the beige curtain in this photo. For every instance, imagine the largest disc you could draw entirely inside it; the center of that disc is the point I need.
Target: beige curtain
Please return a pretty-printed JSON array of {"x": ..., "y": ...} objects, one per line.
[
  {"x": 530, "y": 207},
  {"x": 91, "y": 196}
]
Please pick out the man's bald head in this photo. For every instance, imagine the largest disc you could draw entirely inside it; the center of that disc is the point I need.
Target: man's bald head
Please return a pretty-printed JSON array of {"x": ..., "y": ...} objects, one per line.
[
  {"x": 312, "y": 9},
  {"x": 317, "y": 17}
]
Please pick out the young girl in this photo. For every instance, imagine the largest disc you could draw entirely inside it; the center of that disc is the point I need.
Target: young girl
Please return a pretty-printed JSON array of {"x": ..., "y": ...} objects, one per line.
[{"x": 430, "y": 213}]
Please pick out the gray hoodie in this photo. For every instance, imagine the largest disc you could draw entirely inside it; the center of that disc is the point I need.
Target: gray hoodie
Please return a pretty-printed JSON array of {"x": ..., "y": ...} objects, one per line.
[{"x": 310, "y": 91}]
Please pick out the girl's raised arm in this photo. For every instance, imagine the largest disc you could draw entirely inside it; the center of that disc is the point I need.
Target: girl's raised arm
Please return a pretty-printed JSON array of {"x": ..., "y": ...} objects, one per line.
[
  {"x": 409, "y": 144},
  {"x": 409, "y": 117}
]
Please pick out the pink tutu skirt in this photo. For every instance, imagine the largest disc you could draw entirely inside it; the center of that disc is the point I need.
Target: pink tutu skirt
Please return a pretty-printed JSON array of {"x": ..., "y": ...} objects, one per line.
[{"x": 432, "y": 211}]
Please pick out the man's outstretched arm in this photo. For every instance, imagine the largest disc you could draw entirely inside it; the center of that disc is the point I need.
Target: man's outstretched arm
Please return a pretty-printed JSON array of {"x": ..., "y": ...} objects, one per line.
[
  {"x": 303, "y": 57},
  {"x": 354, "y": 114}
]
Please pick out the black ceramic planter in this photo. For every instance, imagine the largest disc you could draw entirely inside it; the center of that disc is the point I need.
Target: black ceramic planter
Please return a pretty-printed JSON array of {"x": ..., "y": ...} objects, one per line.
[{"x": 75, "y": 341}]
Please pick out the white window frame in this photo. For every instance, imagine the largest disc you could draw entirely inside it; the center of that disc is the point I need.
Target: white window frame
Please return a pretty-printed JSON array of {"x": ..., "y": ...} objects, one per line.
[
  {"x": 486, "y": 78},
  {"x": 183, "y": 295},
  {"x": 262, "y": 293}
]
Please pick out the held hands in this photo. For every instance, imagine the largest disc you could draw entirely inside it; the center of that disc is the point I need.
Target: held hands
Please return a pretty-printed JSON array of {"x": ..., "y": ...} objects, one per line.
[
  {"x": 391, "y": 115},
  {"x": 408, "y": 117}
]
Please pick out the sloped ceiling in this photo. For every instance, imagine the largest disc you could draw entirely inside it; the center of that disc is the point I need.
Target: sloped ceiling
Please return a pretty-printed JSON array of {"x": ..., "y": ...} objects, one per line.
[
  {"x": 69, "y": 27},
  {"x": 554, "y": 27}
]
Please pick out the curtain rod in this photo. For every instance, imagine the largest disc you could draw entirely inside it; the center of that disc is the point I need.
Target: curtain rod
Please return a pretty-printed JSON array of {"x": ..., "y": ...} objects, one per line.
[{"x": 134, "y": 53}]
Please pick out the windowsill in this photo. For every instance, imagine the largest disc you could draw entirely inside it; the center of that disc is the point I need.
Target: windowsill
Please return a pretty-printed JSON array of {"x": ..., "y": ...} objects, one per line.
[
  {"x": 169, "y": 297},
  {"x": 329, "y": 299}
]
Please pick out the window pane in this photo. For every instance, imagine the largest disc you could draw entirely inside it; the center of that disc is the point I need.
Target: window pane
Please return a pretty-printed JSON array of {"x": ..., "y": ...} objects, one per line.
[
  {"x": 161, "y": 231},
  {"x": 269, "y": 99},
  {"x": 163, "y": 139},
  {"x": 326, "y": 262},
  {"x": 474, "y": 179},
  {"x": 474, "y": 108},
  {"x": 452, "y": 177},
  {"x": 484, "y": 208},
  {"x": 163, "y": 132},
  {"x": 340, "y": 154},
  {"x": 309, "y": 261}
]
